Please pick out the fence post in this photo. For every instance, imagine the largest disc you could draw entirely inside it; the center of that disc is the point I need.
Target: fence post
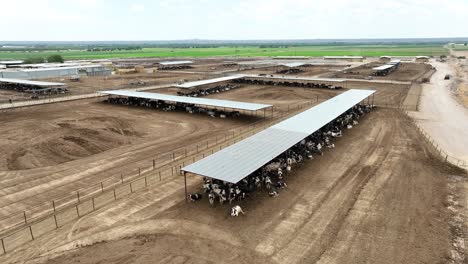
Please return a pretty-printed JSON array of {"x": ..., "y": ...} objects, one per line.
[
  {"x": 30, "y": 231},
  {"x": 121, "y": 177},
  {"x": 146, "y": 182},
  {"x": 78, "y": 196},
  {"x": 77, "y": 211},
  {"x": 115, "y": 196},
  {"x": 159, "y": 175},
  {"x": 131, "y": 190},
  {"x": 25, "y": 220},
  {"x": 154, "y": 164},
  {"x": 53, "y": 205},
  {"x": 139, "y": 171},
  {"x": 172, "y": 171},
  {"x": 102, "y": 187},
  {"x": 3, "y": 246},
  {"x": 55, "y": 220},
  {"x": 94, "y": 208}
]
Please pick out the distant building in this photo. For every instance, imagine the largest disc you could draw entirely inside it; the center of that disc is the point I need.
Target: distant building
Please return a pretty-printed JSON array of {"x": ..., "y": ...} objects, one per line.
[
  {"x": 422, "y": 59},
  {"x": 345, "y": 58},
  {"x": 385, "y": 59},
  {"x": 58, "y": 72},
  {"x": 11, "y": 63},
  {"x": 289, "y": 57}
]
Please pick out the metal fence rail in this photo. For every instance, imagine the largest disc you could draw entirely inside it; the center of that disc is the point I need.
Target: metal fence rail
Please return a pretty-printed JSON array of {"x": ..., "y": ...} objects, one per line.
[
  {"x": 443, "y": 154},
  {"x": 22, "y": 227}
]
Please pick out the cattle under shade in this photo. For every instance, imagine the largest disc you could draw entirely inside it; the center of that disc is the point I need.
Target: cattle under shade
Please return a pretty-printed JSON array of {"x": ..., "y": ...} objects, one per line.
[
  {"x": 30, "y": 83},
  {"x": 234, "y": 163},
  {"x": 190, "y": 100}
]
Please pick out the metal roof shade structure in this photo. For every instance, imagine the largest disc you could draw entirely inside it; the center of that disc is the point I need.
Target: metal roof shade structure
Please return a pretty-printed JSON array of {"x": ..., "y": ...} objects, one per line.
[
  {"x": 298, "y": 78},
  {"x": 394, "y": 62},
  {"x": 383, "y": 67},
  {"x": 33, "y": 83},
  {"x": 191, "y": 100},
  {"x": 294, "y": 64},
  {"x": 237, "y": 161},
  {"x": 175, "y": 62},
  {"x": 11, "y": 62},
  {"x": 189, "y": 85}
]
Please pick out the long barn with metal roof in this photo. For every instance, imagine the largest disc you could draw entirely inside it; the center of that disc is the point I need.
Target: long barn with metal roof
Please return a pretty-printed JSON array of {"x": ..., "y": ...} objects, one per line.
[
  {"x": 31, "y": 83},
  {"x": 237, "y": 161},
  {"x": 189, "y": 85},
  {"x": 191, "y": 100}
]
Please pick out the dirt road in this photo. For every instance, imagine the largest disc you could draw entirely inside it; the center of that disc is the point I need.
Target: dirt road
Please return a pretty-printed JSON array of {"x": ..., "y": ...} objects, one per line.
[
  {"x": 442, "y": 116},
  {"x": 378, "y": 197}
]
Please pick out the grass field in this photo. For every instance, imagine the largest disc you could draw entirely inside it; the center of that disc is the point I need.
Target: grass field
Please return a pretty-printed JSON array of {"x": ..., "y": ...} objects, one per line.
[{"x": 252, "y": 51}]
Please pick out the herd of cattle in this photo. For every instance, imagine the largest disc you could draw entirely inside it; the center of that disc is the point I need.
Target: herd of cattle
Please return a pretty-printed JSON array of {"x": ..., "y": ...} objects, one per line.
[
  {"x": 176, "y": 106},
  {"x": 286, "y": 83},
  {"x": 290, "y": 71},
  {"x": 272, "y": 177},
  {"x": 174, "y": 67},
  {"x": 33, "y": 90},
  {"x": 208, "y": 91}
]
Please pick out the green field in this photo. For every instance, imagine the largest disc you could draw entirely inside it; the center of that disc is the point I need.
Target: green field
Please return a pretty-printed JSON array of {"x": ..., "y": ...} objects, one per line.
[{"x": 247, "y": 51}]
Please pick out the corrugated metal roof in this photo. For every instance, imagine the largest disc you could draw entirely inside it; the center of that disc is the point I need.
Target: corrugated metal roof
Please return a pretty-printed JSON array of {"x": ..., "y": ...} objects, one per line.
[
  {"x": 63, "y": 68},
  {"x": 295, "y": 78},
  {"x": 11, "y": 62},
  {"x": 175, "y": 62},
  {"x": 190, "y": 100},
  {"x": 343, "y": 57},
  {"x": 237, "y": 161},
  {"x": 188, "y": 85},
  {"x": 383, "y": 67},
  {"x": 35, "y": 83},
  {"x": 294, "y": 64},
  {"x": 395, "y": 61}
]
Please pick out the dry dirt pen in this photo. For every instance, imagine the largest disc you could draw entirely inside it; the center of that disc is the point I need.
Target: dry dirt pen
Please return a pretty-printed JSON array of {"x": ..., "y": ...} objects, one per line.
[
  {"x": 41, "y": 219},
  {"x": 44, "y": 219},
  {"x": 378, "y": 197},
  {"x": 407, "y": 71},
  {"x": 306, "y": 71},
  {"x": 92, "y": 84}
]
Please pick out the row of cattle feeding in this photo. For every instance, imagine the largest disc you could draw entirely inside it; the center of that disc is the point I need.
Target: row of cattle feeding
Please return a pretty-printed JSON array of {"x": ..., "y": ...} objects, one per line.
[
  {"x": 33, "y": 90},
  {"x": 173, "y": 106},
  {"x": 272, "y": 176},
  {"x": 287, "y": 83},
  {"x": 208, "y": 91}
]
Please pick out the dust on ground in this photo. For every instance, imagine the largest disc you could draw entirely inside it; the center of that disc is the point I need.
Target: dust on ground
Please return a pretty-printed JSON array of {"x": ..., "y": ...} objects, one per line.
[
  {"x": 408, "y": 71},
  {"x": 378, "y": 197}
]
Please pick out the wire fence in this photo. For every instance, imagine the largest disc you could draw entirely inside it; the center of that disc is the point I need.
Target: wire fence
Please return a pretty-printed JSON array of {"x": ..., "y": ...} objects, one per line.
[
  {"x": 22, "y": 227},
  {"x": 443, "y": 154}
]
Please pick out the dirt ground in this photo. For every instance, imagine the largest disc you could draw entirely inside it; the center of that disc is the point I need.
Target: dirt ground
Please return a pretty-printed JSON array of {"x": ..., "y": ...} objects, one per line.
[
  {"x": 387, "y": 94},
  {"x": 461, "y": 82},
  {"x": 407, "y": 71},
  {"x": 275, "y": 95},
  {"x": 60, "y": 150},
  {"x": 378, "y": 197}
]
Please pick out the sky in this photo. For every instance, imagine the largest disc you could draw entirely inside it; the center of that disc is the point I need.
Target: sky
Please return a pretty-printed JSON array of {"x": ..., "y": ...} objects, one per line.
[{"x": 106, "y": 20}]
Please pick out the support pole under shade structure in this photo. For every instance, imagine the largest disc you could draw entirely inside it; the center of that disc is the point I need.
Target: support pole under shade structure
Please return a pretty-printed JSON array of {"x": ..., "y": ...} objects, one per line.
[{"x": 234, "y": 163}]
